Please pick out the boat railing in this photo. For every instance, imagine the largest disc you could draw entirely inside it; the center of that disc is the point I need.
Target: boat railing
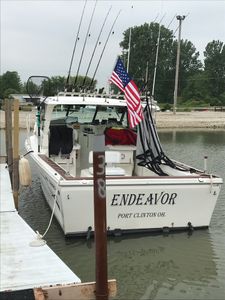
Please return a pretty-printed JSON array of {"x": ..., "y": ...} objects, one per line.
[
  {"x": 91, "y": 94},
  {"x": 98, "y": 95}
]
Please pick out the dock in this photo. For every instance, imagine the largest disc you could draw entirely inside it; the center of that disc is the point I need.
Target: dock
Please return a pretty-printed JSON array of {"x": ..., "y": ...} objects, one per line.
[
  {"x": 24, "y": 267},
  {"x": 33, "y": 272}
]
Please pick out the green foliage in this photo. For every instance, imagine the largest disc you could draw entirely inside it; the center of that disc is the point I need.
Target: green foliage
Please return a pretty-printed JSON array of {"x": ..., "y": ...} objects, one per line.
[
  {"x": 83, "y": 83},
  {"x": 222, "y": 99},
  {"x": 9, "y": 80},
  {"x": 10, "y": 83},
  {"x": 57, "y": 84},
  {"x": 166, "y": 106},
  {"x": 194, "y": 103},
  {"x": 143, "y": 52},
  {"x": 215, "y": 68},
  {"x": 8, "y": 92},
  {"x": 144, "y": 40},
  {"x": 196, "y": 87}
]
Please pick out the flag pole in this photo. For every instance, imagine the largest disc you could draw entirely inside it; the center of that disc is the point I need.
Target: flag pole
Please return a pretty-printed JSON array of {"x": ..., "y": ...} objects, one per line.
[{"x": 128, "y": 56}]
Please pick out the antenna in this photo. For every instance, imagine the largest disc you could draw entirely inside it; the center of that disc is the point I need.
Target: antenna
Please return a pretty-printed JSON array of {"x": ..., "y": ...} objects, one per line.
[
  {"x": 92, "y": 80},
  {"x": 85, "y": 43},
  {"x": 93, "y": 53},
  {"x": 75, "y": 45}
]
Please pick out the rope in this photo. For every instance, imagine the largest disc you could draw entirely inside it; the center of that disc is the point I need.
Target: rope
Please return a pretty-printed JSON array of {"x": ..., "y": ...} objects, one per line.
[
  {"x": 39, "y": 237},
  {"x": 53, "y": 210}
]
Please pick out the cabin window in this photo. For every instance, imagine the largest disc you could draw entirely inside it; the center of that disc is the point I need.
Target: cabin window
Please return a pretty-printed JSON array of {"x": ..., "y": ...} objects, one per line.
[{"x": 90, "y": 114}]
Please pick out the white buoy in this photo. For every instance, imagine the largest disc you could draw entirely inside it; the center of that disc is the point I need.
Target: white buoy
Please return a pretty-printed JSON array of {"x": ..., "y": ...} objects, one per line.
[{"x": 24, "y": 172}]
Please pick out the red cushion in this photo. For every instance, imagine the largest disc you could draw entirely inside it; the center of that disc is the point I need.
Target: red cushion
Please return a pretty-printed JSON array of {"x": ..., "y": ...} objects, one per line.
[{"x": 114, "y": 136}]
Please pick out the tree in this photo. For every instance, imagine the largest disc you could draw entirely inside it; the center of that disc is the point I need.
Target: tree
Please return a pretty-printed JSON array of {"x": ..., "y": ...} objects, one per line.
[
  {"x": 196, "y": 87},
  {"x": 9, "y": 80},
  {"x": 143, "y": 50},
  {"x": 190, "y": 65},
  {"x": 81, "y": 85},
  {"x": 215, "y": 68},
  {"x": 56, "y": 84}
]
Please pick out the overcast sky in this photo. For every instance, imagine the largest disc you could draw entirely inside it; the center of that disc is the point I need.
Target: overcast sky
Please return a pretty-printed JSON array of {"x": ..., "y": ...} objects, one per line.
[{"x": 37, "y": 37}]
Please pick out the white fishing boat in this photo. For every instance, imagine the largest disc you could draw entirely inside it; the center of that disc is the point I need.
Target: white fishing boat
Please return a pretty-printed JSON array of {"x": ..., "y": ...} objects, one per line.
[{"x": 145, "y": 190}]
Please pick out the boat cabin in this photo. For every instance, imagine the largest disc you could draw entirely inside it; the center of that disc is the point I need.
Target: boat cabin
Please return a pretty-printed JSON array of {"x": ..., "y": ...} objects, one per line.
[{"x": 69, "y": 126}]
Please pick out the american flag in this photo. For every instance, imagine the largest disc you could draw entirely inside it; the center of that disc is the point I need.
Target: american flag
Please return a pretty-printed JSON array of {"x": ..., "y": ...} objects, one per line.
[{"x": 121, "y": 79}]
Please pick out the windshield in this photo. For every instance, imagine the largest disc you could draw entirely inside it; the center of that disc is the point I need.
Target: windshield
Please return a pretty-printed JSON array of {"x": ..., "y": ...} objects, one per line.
[{"x": 86, "y": 114}]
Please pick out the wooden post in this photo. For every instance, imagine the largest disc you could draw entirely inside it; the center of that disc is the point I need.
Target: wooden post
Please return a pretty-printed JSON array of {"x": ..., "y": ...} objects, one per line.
[
  {"x": 8, "y": 135},
  {"x": 100, "y": 218},
  {"x": 16, "y": 153}
]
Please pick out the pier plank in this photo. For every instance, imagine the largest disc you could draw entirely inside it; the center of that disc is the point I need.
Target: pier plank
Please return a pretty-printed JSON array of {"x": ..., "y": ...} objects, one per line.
[{"x": 6, "y": 194}]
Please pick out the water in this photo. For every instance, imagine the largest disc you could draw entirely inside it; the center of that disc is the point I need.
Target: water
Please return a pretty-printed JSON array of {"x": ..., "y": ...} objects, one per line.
[{"x": 174, "y": 266}]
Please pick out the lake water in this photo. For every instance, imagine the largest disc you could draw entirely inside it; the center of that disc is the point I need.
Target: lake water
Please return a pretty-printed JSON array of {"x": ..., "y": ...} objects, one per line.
[{"x": 173, "y": 266}]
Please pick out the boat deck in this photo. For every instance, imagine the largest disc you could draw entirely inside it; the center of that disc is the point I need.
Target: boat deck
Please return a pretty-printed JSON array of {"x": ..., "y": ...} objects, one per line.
[
  {"x": 56, "y": 167},
  {"x": 24, "y": 267}
]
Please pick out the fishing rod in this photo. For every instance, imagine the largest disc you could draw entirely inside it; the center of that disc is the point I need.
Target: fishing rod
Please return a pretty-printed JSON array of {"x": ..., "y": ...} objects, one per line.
[
  {"x": 171, "y": 22},
  {"x": 92, "y": 80},
  {"x": 75, "y": 45},
  {"x": 95, "y": 46},
  {"x": 156, "y": 57},
  {"x": 87, "y": 35},
  {"x": 156, "y": 63}
]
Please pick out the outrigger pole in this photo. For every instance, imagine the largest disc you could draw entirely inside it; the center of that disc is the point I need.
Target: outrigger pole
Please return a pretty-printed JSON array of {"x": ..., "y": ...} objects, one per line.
[
  {"x": 156, "y": 62},
  {"x": 75, "y": 45},
  {"x": 93, "y": 53},
  {"x": 156, "y": 58},
  {"x": 87, "y": 34},
  {"x": 92, "y": 80}
]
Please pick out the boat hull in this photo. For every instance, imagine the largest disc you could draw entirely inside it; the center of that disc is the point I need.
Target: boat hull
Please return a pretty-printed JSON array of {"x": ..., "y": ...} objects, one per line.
[{"x": 133, "y": 204}]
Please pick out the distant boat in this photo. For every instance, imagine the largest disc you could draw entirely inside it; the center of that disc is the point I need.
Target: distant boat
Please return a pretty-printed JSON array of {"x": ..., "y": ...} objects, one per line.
[{"x": 145, "y": 190}]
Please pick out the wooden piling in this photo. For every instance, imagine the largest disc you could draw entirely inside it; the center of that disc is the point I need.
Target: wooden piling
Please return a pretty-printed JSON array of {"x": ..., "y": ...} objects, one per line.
[
  {"x": 100, "y": 218},
  {"x": 16, "y": 153},
  {"x": 100, "y": 225}
]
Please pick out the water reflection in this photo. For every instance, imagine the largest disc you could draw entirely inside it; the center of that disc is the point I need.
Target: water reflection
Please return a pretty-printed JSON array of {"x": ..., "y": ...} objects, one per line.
[
  {"x": 151, "y": 267},
  {"x": 160, "y": 263},
  {"x": 215, "y": 137}
]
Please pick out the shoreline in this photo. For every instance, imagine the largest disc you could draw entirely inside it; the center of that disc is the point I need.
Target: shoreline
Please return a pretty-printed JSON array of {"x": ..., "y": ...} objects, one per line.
[
  {"x": 164, "y": 120},
  {"x": 190, "y": 120}
]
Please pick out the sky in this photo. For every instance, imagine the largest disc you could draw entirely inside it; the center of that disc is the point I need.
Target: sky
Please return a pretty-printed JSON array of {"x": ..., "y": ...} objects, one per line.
[{"x": 38, "y": 36}]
